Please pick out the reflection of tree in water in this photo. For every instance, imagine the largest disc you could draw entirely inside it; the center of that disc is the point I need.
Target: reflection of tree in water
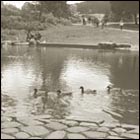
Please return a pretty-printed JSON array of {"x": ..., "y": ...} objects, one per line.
[
  {"x": 57, "y": 108},
  {"x": 126, "y": 104},
  {"x": 51, "y": 65}
]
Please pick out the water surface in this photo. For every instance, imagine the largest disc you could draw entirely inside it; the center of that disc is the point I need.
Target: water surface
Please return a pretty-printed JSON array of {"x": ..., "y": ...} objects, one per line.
[{"x": 24, "y": 68}]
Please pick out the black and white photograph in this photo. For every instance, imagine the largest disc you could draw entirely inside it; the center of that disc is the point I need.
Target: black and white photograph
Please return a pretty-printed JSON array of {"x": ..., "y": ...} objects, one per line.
[{"x": 69, "y": 69}]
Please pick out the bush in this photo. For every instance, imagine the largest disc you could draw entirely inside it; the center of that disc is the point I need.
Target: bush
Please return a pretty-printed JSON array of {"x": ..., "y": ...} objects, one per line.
[
  {"x": 19, "y": 23},
  {"x": 9, "y": 34},
  {"x": 64, "y": 21},
  {"x": 12, "y": 22},
  {"x": 50, "y": 19},
  {"x": 75, "y": 19}
]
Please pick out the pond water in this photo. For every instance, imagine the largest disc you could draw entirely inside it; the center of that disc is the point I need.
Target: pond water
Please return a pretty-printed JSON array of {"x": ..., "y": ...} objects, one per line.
[{"x": 47, "y": 68}]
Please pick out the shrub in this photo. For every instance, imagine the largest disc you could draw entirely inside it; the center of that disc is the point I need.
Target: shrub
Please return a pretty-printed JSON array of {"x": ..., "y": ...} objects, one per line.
[
  {"x": 50, "y": 19},
  {"x": 75, "y": 19},
  {"x": 64, "y": 21}
]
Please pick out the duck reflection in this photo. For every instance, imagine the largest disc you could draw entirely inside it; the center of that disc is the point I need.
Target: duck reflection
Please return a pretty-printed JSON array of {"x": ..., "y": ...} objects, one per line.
[{"x": 53, "y": 103}]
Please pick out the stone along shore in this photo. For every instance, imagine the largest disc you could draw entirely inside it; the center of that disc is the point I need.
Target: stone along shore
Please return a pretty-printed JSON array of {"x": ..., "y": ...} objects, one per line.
[{"x": 45, "y": 127}]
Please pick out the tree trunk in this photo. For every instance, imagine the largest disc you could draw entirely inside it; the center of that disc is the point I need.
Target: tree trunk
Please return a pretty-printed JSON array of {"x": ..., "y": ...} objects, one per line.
[{"x": 135, "y": 19}]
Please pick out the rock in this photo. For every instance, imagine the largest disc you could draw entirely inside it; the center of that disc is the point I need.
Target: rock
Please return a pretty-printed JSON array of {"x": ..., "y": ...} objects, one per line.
[
  {"x": 5, "y": 136},
  {"x": 119, "y": 130},
  {"x": 35, "y": 130},
  {"x": 75, "y": 136},
  {"x": 10, "y": 130},
  {"x": 129, "y": 127},
  {"x": 92, "y": 126},
  {"x": 114, "y": 137},
  {"x": 91, "y": 134},
  {"x": 112, "y": 133},
  {"x": 113, "y": 113},
  {"x": 124, "y": 46},
  {"x": 56, "y": 135},
  {"x": 30, "y": 121},
  {"x": 130, "y": 136},
  {"x": 103, "y": 129},
  {"x": 134, "y": 131},
  {"x": 43, "y": 117},
  {"x": 35, "y": 138},
  {"x": 77, "y": 129},
  {"x": 10, "y": 124},
  {"x": 107, "y": 45},
  {"x": 96, "y": 119},
  {"x": 44, "y": 120},
  {"x": 110, "y": 125},
  {"x": 56, "y": 126},
  {"x": 5, "y": 119},
  {"x": 88, "y": 124},
  {"x": 22, "y": 135},
  {"x": 70, "y": 123}
]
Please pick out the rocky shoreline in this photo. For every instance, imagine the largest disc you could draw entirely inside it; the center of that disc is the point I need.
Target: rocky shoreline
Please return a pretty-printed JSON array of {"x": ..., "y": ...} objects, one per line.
[{"x": 46, "y": 127}]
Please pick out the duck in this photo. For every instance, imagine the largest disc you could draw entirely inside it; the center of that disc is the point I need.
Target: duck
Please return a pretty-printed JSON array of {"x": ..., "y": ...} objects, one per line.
[
  {"x": 62, "y": 94},
  {"x": 111, "y": 88},
  {"x": 87, "y": 91},
  {"x": 38, "y": 93}
]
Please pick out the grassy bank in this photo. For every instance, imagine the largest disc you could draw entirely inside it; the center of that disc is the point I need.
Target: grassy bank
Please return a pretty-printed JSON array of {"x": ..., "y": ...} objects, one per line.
[
  {"x": 80, "y": 34},
  {"x": 89, "y": 35}
]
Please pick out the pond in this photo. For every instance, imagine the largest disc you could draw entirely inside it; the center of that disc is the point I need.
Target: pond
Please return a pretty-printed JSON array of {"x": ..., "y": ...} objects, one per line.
[{"x": 24, "y": 68}]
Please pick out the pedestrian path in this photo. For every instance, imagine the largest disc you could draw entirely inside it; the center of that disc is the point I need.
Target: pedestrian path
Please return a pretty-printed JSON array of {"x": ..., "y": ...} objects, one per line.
[{"x": 110, "y": 28}]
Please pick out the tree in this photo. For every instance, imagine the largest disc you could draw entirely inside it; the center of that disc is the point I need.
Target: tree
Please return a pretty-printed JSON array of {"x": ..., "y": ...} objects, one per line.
[
  {"x": 28, "y": 10},
  {"x": 123, "y": 8},
  {"x": 9, "y": 10},
  {"x": 57, "y": 8},
  {"x": 93, "y": 7}
]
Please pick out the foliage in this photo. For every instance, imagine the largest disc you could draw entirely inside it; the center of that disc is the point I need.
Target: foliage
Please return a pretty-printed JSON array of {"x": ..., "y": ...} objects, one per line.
[
  {"x": 57, "y": 8},
  {"x": 92, "y": 7},
  {"x": 75, "y": 19},
  {"x": 12, "y": 22},
  {"x": 64, "y": 21},
  {"x": 8, "y": 10},
  {"x": 50, "y": 19},
  {"x": 125, "y": 8},
  {"x": 37, "y": 15}
]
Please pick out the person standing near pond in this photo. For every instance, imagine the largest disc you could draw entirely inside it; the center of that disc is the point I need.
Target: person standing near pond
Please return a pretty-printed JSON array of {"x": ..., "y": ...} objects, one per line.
[
  {"x": 89, "y": 20},
  {"x": 84, "y": 20},
  {"x": 29, "y": 35},
  {"x": 102, "y": 23},
  {"x": 96, "y": 21},
  {"x": 121, "y": 24}
]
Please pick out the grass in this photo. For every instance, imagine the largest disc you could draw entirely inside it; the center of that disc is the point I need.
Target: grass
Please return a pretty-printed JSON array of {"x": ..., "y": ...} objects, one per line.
[
  {"x": 84, "y": 35},
  {"x": 89, "y": 35}
]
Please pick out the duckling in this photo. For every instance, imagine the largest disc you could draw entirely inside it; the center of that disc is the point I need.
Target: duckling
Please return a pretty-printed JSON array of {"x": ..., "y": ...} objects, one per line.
[{"x": 87, "y": 91}]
